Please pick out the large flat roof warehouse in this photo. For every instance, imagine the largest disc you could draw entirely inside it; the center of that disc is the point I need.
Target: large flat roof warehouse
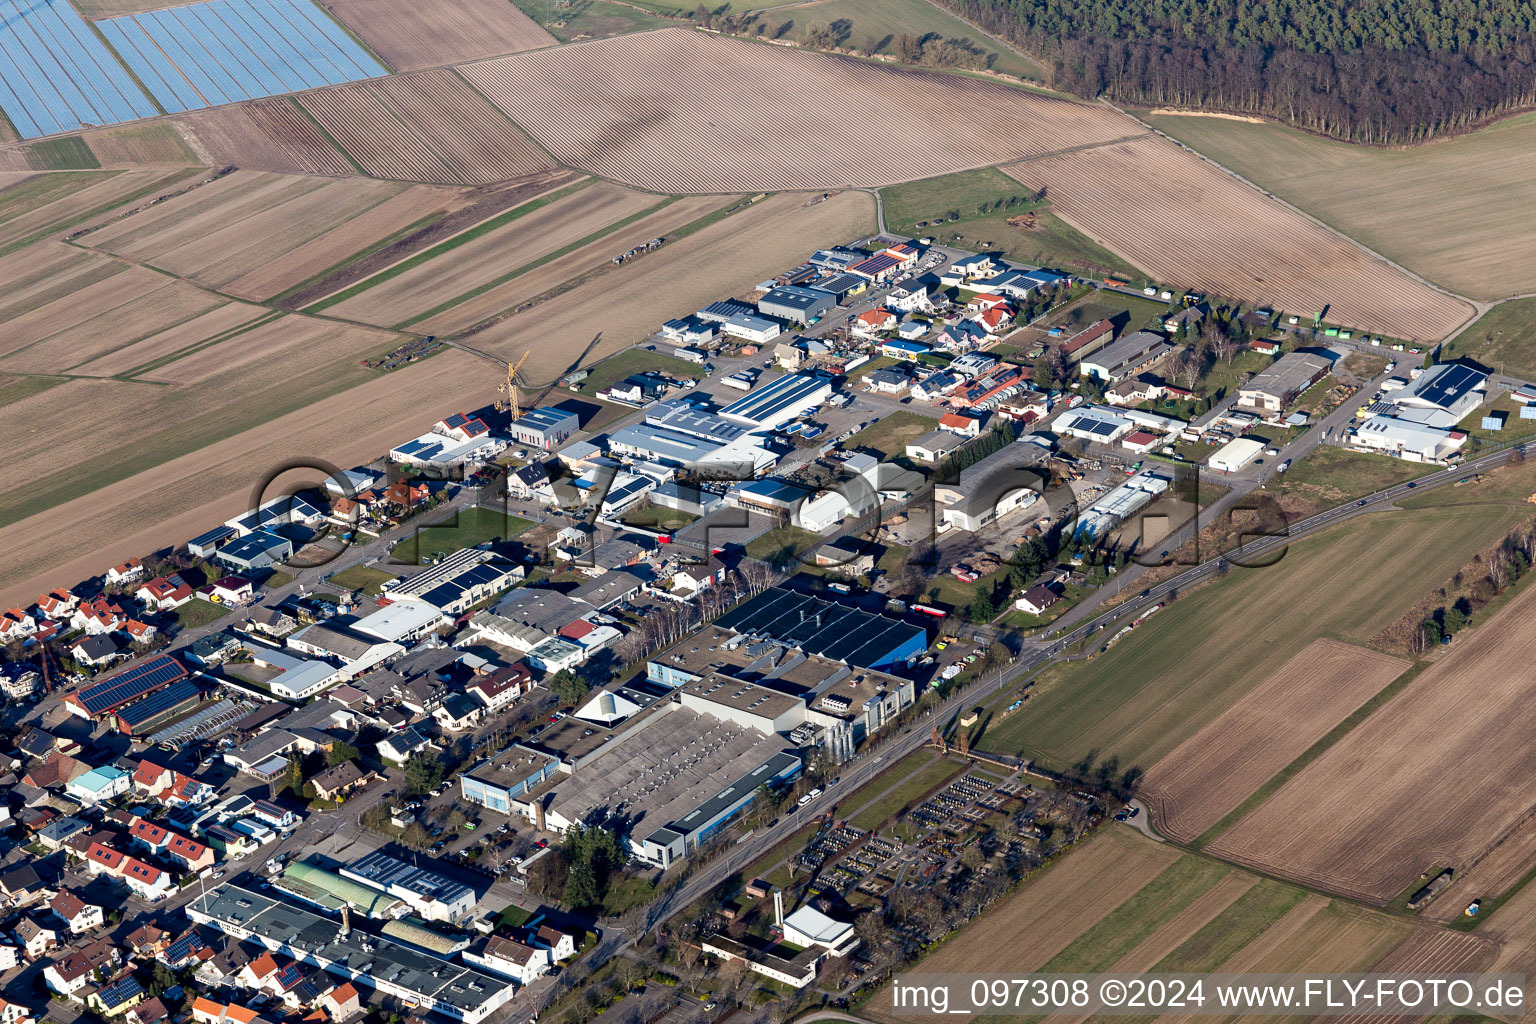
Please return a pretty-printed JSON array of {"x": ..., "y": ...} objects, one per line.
[
  {"x": 398, "y": 970},
  {"x": 828, "y": 630},
  {"x": 777, "y": 403},
  {"x": 390, "y": 874},
  {"x": 769, "y": 663}
]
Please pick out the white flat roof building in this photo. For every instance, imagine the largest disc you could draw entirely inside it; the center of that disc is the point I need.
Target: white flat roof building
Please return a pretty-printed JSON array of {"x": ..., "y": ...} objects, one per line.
[
  {"x": 401, "y": 622},
  {"x": 1235, "y": 454},
  {"x": 1415, "y": 442},
  {"x": 1092, "y": 424}
]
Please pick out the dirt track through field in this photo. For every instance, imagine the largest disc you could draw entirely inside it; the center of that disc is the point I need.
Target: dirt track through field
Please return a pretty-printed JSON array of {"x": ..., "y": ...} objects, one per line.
[
  {"x": 1183, "y": 220},
  {"x": 1429, "y": 780},
  {"x": 270, "y": 342},
  {"x": 1212, "y": 772},
  {"x": 267, "y": 135},
  {"x": 171, "y": 340},
  {"x": 682, "y": 111}
]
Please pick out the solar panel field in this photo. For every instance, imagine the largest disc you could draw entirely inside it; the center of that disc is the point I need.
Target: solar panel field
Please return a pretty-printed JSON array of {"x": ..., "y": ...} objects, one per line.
[
  {"x": 223, "y": 51},
  {"x": 55, "y": 74}
]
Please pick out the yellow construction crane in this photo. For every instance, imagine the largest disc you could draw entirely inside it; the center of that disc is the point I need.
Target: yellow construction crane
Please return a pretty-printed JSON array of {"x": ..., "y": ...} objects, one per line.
[{"x": 511, "y": 403}]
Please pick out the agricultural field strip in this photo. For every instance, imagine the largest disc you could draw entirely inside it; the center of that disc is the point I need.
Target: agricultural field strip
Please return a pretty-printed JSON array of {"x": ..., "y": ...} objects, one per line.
[
  {"x": 1181, "y": 219},
  {"x": 270, "y": 340},
  {"x": 614, "y": 311},
  {"x": 223, "y": 51},
  {"x": 1407, "y": 790},
  {"x": 165, "y": 345},
  {"x": 1157, "y": 687},
  {"x": 483, "y": 260},
  {"x": 1455, "y": 206},
  {"x": 1212, "y": 772},
  {"x": 648, "y": 104},
  {"x": 254, "y": 222},
  {"x": 596, "y": 256},
  {"x": 1492, "y": 877},
  {"x": 412, "y": 34},
  {"x": 28, "y": 223},
  {"x": 364, "y": 126},
  {"x": 55, "y": 74},
  {"x": 475, "y": 139}
]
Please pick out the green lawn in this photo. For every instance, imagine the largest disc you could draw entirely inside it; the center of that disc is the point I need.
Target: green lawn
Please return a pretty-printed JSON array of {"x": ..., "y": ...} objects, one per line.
[
  {"x": 927, "y": 772},
  {"x": 782, "y": 544},
  {"x": 657, "y": 517},
  {"x": 1194, "y": 659},
  {"x": 470, "y": 527},
  {"x": 591, "y": 19},
  {"x": 365, "y": 578},
  {"x": 1222, "y": 378},
  {"x": 1503, "y": 339},
  {"x": 514, "y": 916},
  {"x": 934, "y": 203},
  {"x": 890, "y": 435},
  {"x": 1332, "y": 475},
  {"x": 871, "y": 26},
  {"x": 199, "y": 612},
  {"x": 637, "y": 360},
  {"x": 1070, "y": 595}
]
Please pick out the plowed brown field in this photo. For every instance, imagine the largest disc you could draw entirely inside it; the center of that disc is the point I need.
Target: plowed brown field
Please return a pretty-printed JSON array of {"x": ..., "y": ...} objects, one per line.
[
  {"x": 1212, "y": 772},
  {"x": 682, "y": 111},
  {"x": 267, "y": 135},
  {"x": 286, "y": 336},
  {"x": 1183, "y": 220},
  {"x": 1491, "y": 877},
  {"x": 247, "y": 220},
  {"x": 33, "y": 204},
  {"x": 423, "y": 33},
  {"x": 361, "y": 124},
  {"x": 472, "y": 137},
  {"x": 1432, "y": 779},
  {"x": 472, "y": 265},
  {"x": 254, "y": 233},
  {"x": 184, "y": 494},
  {"x": 168, "y": 342}
]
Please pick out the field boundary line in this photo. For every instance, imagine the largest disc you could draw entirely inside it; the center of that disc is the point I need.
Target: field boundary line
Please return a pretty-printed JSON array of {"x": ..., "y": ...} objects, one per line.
[
  {"x": 453, "y": 241},
  {"x": 420, "y": 224},
  {"x": 137, "y": 194},
  {"x": 1479, "y": 306},
  {"x": 293, "y": 101}
]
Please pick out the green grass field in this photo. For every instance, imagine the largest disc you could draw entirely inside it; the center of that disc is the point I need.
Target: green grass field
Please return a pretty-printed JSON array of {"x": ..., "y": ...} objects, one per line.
[
  {"x": 199, "y": 612},
  {"x": 364, "y": 578},
  {"x": 1451, "y": 210},
  {"x": 68, "y": 153},
  {"x": 637, "y": 360},
  {"x": 1502, "y": 339},
  {"x": 926, "y": 772},
  {"x": 592, "y": 19},
  {"x": 1051, "y": 242},
  {"x": 891, "y": 434},
  {"x": 657, "y": 517},
  {"x": 470, "y": 527},
  {"x": 1194, "y": 659},
  {"x": 782, "y": 544},
  {"x": 874, "y": 24},
  {"x": 1330, "y": 475}
]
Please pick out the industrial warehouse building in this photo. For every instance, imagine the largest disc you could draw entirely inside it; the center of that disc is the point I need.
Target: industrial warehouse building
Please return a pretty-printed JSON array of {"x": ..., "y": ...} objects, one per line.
[
  {"x": 1235, "y": 454},
  {"x": 1271, "y": 390},
  {"x": 545, "y": 429},
  {"x": 435, "y": 897},
  {"x": 254, "y": 552},
  {"x": 801, "y": 305},
  {"x": 786, "y": 399},
  {"x": 415, "y": 977},
  {"x": 827, "y": 630},
  {"x": 1126, "y": 357},
  {"x": 459, "y": 582}
]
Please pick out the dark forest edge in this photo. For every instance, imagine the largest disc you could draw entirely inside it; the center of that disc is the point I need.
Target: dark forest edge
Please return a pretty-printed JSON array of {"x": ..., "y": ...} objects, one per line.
[{"x": 1361, "y": 70}]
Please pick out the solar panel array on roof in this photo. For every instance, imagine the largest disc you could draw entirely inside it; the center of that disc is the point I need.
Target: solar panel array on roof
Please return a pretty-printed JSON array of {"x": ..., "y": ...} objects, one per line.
[
  {"x": 145, "y": 677},
  {"x": 445, "y": 593},
  {"x": 828, "y": 630},
  {"x": 1450, "y": 384},
  {"x": 157, "y": 704},
  {"x": 767, "y": 402},
  {"x": 1093, "y": 425}
]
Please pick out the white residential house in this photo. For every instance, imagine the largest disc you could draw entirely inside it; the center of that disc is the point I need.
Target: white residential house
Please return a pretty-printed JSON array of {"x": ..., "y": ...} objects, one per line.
[
  {"x": 129, "y": 570},
  {"x": 511, "y": 959},
  {"x": 911, "y": 299}
]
